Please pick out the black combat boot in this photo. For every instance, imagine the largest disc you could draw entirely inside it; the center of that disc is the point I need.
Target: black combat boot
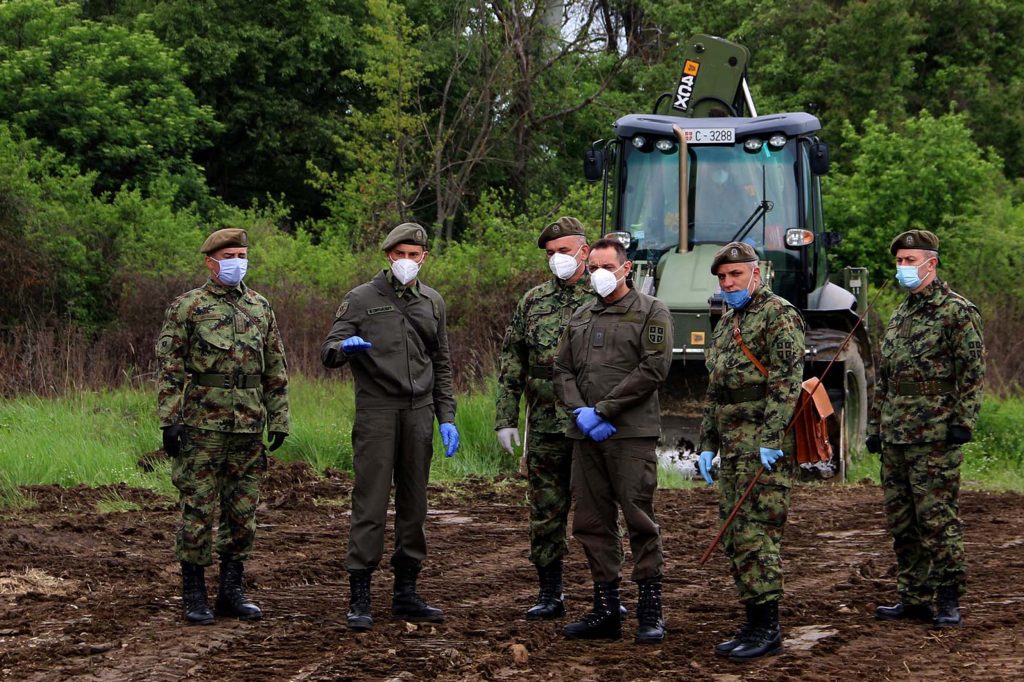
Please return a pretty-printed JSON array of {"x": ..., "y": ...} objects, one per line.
[
  {"x": 765, "y": 637},
  {"x": 408, "y": 605},
  {"x": 550, "y": 602},
  {"x": 231, "y": 600},
  {"x": 193, "y": 594},
  {"x": 650, "y": 625},
  {"x": 903, "y": 611},
  {"x": 359, "y": 617},
  {"x": 723, "y": 648},
  {"x": 947, "y": 607},
  {"x": 605, "y": 621}
]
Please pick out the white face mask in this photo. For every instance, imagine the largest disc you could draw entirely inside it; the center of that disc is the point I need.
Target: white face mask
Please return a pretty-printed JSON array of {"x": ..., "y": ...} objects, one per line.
[
  {"x": 405, "y": 270},
  {"x": 604, "y": 281},
  {"x": 564, "y": 266},
  {"x": 232, "y": 270}
]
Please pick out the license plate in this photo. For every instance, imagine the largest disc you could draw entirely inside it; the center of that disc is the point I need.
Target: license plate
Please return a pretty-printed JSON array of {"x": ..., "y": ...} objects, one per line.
[{"x": 710, "y": 135}]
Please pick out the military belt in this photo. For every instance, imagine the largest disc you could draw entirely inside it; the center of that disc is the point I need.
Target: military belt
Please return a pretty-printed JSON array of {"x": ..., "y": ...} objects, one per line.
[
  {"x": 744, "y": 395},
  {"x": 542, "y": 372},
  {"x": 227, "y": 380},
  {"x": 938, "y": 387}
]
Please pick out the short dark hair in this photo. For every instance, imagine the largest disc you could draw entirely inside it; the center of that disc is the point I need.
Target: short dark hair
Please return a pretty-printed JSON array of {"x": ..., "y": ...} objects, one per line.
[{"x": 608, "y": 243}]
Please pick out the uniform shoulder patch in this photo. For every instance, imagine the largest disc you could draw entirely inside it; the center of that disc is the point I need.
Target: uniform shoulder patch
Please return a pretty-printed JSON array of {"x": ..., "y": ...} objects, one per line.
[
  {"x": 163, "y": 346},
  {"x": 656, "y": 334},
  {"x": 342, "y": 309}
]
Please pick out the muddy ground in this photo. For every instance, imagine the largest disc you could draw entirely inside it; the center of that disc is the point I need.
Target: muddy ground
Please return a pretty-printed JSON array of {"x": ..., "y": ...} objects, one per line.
[{"x": 92, "y": 596}]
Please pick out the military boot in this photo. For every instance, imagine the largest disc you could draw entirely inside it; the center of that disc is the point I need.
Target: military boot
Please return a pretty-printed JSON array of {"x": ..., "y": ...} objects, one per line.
[
  {"x": 550, "y": 602},
  {"x": 359, "y": 617},
  {"x": 947, "y": 607},
  {"x": 904, "y": 611},
  {"x": 231, "y": 599},
  {"x": 765, "y": 637},
  {"x": 650, "y": 625},
  {"x": 406, "y": 603},
  {"x": 723, "y": 648},
  {"x": 193, "y": 594},
  {"x": 604, "y": 621}
]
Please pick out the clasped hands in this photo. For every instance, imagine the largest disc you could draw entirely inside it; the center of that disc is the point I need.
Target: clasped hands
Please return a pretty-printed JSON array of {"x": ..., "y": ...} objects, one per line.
[{"x": 593, "y": 425}]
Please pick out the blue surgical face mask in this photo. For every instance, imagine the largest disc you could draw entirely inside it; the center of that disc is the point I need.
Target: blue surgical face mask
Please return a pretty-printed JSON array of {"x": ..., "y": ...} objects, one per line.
[
  {"x": 740, "y": 298},
  {"x": 909, "y": 276},
  {"x": 232, "y": 270}
]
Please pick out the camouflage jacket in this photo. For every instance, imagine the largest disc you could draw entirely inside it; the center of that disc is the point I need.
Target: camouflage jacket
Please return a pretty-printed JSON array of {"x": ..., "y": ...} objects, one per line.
[
  {"x": 528, "y": 355},
  {"x": 774, "y": 332},
  {"x": 216, "y": 330},
  {"x": 931, "y": 370}
]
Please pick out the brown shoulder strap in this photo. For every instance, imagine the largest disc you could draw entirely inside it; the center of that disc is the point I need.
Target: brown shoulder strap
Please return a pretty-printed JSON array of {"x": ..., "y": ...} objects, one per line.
[{"x": 743, "y": 347}]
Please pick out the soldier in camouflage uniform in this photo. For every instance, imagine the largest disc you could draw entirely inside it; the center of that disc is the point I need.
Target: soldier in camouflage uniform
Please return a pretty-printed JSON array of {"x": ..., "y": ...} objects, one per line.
[
  {"x": 222, "y": 381},
  {"x": 745, "y": 417},
  {"x": 525, "y": 366},
  {"x": 927, "y": 398}
]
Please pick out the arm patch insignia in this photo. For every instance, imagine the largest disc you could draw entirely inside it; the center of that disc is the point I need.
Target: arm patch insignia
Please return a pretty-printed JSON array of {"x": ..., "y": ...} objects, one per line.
[{"x": 656, "y": 334}]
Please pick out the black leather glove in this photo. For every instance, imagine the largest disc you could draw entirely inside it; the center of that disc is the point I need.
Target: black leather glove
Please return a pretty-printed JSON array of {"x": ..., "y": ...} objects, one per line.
[
  {"x": 276, "y": 439},
  {"x": 874, "y": 444},
  {"x": 958, "y": 435},
  {"x": 174, "y": 439}
]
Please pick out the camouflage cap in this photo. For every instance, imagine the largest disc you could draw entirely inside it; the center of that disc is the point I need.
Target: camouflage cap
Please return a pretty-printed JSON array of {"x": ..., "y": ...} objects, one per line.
[
  {"x": 733, "y": 252},
  {"x": 915, "y": 239},
  {"x": 563, "y": 227},
  {"x": 406, "y": 233},
  {"x": 222, "y": 239}
]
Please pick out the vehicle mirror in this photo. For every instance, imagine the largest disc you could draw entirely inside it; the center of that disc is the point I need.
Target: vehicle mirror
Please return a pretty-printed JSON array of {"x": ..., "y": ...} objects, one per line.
[
  {"x": 624, "y": 238},
  {"x": 593, "y": 164},
  {"x": 830, "y": 239},
  {"x": 819, "y": 158}
]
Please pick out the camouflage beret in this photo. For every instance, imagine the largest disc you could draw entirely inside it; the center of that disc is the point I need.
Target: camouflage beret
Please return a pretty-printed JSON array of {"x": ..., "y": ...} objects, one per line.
[
  {"x": 563, "y": 227},
  {"x": 222, "y": 239},
  {"x": 406, "y": 233},
  {"x": 915, "y": 239},
  {"x": 733, "y": 252}
]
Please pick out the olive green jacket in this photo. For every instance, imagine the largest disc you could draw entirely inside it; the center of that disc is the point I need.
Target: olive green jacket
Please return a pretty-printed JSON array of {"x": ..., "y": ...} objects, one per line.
[{"x": 613, "y": 357}]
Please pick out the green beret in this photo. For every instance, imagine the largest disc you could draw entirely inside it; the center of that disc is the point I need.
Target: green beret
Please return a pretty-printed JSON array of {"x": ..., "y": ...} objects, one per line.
[
  {"x": 915, "y": 239},
  {"x": 406, "y": 233},
  {"x": 222, "y": 239},
  {"x": 733, "y": 252},
  {"x": 563, "y": 227}
]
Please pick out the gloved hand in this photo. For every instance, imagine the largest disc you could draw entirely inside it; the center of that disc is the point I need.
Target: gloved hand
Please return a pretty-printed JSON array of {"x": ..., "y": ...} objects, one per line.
[
  {"x": 505, "y": 438},
  {"x": 174, "y": 439},
  {"x": 704, "y": 464},
  {"x": 450, "y": 438},
  {"x": 355, "y": 344},
  {"x": 276, "y": 439},
  {"x": 603, "y": 431},
  {"x": 586, "y": 419},
  {"x": 958, "y": 435},
  {"x": 770, "y": 457},
  {"x": 874, "y": 443}
]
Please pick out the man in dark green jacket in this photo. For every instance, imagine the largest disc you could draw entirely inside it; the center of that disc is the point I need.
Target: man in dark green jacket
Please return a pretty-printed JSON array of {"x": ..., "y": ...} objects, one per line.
[
  {"x": 611, "y": 359},
  {"x": 391, "y": 333}
]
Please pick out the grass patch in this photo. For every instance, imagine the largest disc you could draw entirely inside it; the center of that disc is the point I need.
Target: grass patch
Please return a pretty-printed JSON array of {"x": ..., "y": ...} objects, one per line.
[{"x": 114, "y": 503}]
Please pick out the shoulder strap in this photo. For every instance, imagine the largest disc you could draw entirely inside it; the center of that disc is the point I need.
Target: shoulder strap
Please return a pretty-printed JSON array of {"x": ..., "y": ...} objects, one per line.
[
  {"x": 743, "y": 346},
  {"x": 429, "y": 342}
]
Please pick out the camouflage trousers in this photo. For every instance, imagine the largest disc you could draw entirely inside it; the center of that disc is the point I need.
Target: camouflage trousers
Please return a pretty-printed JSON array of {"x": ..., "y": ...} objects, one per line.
[
  {"x": 921, "y": 485},
  {"x": 753, "y": 543},
  {"x": 616, "y": 474},
  {"x": 549, "y": 468},
  {"x": 218, "y": 469}
]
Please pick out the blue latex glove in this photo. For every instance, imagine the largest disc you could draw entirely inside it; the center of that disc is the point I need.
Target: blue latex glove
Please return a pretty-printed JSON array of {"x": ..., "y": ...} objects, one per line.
[
  {"x": 355, "y": 344},
  {"x": 704, "y": 464},
  {"x": 450, "y": 438},
  {"x": 603, "y": 431},
  {"x": 770, "y": 457},
  {"x": 586, "y": 419}
]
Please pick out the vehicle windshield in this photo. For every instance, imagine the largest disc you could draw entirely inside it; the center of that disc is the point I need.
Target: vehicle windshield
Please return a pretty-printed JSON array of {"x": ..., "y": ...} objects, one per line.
[{"x": 727, "y": 185}]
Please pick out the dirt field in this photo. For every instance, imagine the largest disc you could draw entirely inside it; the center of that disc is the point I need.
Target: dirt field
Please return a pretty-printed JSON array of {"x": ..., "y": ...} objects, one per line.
[{"x": 96, "y": 596}]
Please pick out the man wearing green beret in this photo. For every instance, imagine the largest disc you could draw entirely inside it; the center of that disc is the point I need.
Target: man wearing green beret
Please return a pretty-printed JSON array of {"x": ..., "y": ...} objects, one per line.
[
  {"x": 391, "y": 333},
  {"x": 525, "y": 366},
  {"x": 755, "y": 365},
  {"x": 222, "y": 381},
  {"x": 927, "y": 398}
]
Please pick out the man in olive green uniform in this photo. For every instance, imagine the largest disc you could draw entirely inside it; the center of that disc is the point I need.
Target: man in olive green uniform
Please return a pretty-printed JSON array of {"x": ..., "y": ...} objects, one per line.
[
  {"x": 927, "y": 398},
  {"x": 391, "y": 333},
  {"x": 611, "y": 359},
  {"x": 746, "y": 414},
  {"x": 222, "y": 380},
  {"x": 526, "y": 365}
]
